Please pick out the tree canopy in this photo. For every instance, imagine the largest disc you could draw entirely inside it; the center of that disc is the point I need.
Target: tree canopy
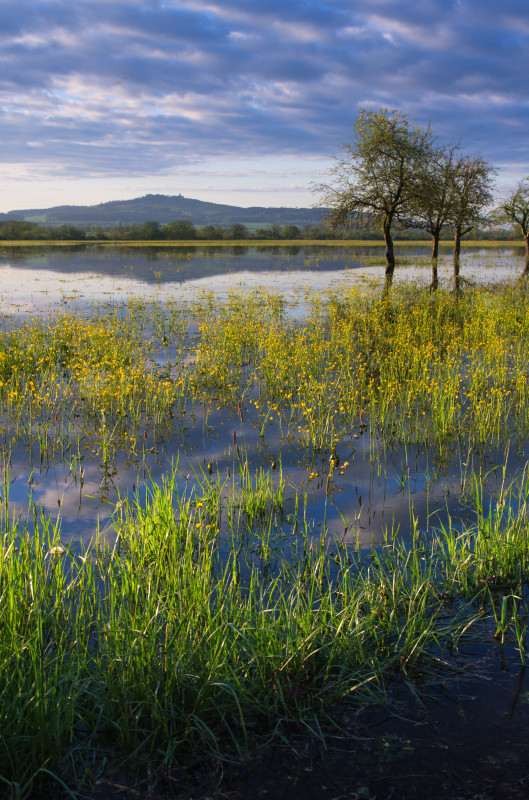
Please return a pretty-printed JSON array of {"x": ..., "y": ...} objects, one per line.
[
  {"x": 452, "y": 192},
  {"x": 433, "y": 195},
  {"x": 393, "y": 171},
  {"x": 383, "y": 161},
  {"x": 514, "y": 209}
]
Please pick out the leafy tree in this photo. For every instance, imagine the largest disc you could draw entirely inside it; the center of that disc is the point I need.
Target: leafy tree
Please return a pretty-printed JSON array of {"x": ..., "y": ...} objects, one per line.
[
  {"x": 432, "y": 199},
  {"x": 273, "y": 231},
  {"x": 97, "y": 232},
  {"x": 379, "y": 172},
  {"x": 471, "y": 192},
  {"x": 68, "y": 233},
  {"x": 515, "y": 209},
  {"x": 210, "y": 232},
  {"x": 237, "y": 231},
  {"x": 17, "y": 229},
  {"x": 121, "y": 231},
  {"x": 145, "y": 232},
  {"x": 290, "y": 232},
  {"x": 206, "y": 232},
  {"x": 179, "y": 229},
  {"x": 319, "y": 232}
]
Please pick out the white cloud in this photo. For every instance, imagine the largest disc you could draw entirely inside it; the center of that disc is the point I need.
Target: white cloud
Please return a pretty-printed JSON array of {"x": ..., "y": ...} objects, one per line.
[{"x": 132, "y": 91}]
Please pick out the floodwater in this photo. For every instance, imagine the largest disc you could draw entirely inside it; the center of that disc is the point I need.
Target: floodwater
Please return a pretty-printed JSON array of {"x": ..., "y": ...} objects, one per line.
[
  {"x": 379, "y": 492},
  {"x": 40, "y": 279},
  {"x": 467, "y": 740}
]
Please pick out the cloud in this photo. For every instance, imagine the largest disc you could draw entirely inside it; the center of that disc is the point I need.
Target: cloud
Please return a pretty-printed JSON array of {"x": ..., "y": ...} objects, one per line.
[{"x": 139, "y": 88}]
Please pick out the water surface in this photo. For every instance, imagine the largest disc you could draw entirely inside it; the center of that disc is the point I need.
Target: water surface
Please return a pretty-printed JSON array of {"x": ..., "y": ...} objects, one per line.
[
  {"x": 37, "y": 279},
  {"x": 380, "y": 492}
]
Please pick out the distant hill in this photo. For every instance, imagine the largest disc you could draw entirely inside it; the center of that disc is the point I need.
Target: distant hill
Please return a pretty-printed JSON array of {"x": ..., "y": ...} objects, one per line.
[{"x": 165, "y": 208}]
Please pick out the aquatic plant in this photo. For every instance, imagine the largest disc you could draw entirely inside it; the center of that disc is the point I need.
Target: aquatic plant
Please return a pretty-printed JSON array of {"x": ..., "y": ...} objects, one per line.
[{"x": 126, "y": 656}]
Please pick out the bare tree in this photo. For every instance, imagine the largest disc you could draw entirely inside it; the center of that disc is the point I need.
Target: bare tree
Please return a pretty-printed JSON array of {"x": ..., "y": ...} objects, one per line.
[
  {"x": 377, "y": 175},
  {"x": 515, "y": 209}
]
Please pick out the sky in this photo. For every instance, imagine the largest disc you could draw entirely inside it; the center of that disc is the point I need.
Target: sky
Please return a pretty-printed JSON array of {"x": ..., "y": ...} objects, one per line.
[{"x": 244, "y": 101}]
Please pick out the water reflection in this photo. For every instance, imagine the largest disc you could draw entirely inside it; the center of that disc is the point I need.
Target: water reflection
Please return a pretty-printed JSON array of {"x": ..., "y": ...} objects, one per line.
[
  {"x": 35, "y": 279},
  {"x": 374, "y": 493},
  {"x": 377, "y": 492}
]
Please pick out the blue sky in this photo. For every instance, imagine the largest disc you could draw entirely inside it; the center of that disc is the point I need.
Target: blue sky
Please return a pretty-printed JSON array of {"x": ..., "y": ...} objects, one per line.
[{"x": 244, "y": 101}]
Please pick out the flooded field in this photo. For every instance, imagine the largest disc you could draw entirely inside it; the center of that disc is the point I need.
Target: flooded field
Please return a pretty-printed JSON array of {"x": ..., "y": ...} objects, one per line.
[
  {"x": 41, "y": 278},
  {"x": 253, "y": 508}
]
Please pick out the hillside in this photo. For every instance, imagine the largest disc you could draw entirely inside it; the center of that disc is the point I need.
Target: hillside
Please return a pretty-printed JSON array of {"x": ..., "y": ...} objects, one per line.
[{"x": 165, "y": 208}]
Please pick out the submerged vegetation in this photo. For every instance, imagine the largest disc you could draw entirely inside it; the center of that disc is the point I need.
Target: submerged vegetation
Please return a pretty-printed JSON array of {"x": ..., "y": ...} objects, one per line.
[
  {"x": 215, "y": 613},
  {"x": 128, "y": 658},
  {"x": 413, "y": 368}
]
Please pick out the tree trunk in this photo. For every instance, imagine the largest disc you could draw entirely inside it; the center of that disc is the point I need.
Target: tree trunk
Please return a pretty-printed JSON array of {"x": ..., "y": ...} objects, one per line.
[
  {"x": 390, "y": 255},
  {"x": 457, "y": 251},
  {"x": 435, "y": 278},
  {"x": 388, "y": 282},
  {"x": 525, "y": 272},
  {"x": 435, "y": 246},
  {"x": 435, "y": 253}
]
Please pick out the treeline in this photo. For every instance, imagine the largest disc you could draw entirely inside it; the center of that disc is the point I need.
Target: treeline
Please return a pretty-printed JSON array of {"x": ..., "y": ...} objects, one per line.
[
  {"x": 184, "y": 230},
  {"x": 178, "y": 230}
]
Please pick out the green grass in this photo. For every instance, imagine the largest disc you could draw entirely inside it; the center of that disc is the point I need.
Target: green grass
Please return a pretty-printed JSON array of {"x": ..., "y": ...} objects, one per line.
[
  {"x": 209, "y": 620},
  {"x": 130, "y": 656}
]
